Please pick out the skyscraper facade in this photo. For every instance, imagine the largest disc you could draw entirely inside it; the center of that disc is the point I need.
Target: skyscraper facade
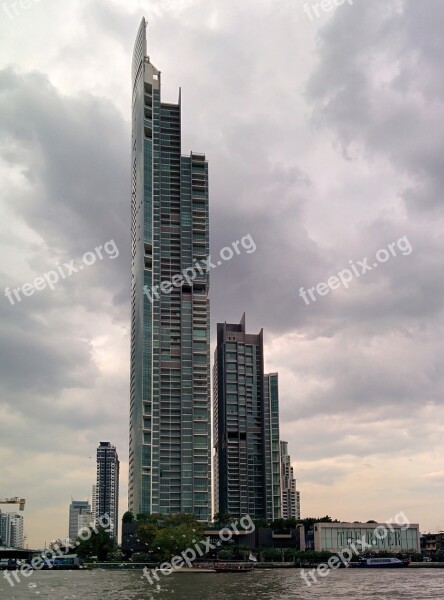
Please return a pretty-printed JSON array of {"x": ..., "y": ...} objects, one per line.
[
  {"x": 3, "y": 530},
  {"x": 169, "y": 446},
  {"x": 246, "y": 426},
  {"x": 17, "y": 534},
  {"x": 11, "y": 530},
  {"x": 94, "y": 502},
  {"x": 272, "y": 448},
  {"x": 291, "y": 508},
  {"x": 107, "y": 486},
  {"x": 76, "y": 508}
]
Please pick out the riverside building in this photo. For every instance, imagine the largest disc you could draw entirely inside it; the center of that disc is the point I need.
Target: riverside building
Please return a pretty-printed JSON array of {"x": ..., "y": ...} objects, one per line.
[
  {"x": 246, "y": 426},
  {"x": 106, "y": 499},
  {"x": 291, "y": 502},
  {"x": 169, "y": 441}
]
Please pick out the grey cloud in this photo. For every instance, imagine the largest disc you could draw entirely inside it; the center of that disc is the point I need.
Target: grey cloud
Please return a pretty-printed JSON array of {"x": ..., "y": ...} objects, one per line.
[
  {"x": 73, "y": 155},
  {"x": 388, "y": 110}
]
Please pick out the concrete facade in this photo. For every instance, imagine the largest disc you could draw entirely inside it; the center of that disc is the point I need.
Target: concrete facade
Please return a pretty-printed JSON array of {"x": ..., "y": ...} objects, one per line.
[
  {"x": 11, "y": 530},
  {"x": 335, "y": 537}
]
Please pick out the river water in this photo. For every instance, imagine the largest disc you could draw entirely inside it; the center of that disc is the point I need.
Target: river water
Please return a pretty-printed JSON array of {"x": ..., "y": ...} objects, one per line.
[{"x": 356, "y": 584}]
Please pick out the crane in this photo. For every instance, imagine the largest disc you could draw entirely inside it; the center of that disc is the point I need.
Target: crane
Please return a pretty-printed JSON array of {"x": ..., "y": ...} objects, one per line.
[{"x": 19, "y": 501}]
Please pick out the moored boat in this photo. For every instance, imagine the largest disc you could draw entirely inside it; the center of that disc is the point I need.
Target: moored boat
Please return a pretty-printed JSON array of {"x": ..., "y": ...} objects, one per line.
[{"x": 383, "y": 563}]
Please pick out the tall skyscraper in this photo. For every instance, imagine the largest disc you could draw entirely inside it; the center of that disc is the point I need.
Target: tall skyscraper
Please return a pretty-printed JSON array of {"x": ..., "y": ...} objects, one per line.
[
  {"x": 76, "y": 508},
  {"x": 107, "y": 486},
  {"x": 290, "y": 496},
  {"x": 272, "y": 448},
  {"x": 170, "y": 447},
  {"x": 246, "y": 426}
]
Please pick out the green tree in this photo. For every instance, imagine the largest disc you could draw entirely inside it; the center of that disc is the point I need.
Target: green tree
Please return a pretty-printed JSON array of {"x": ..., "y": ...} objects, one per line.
[
  {"x": 170, "y": 541},
  {"x": 290, "y": 554},
  {"x": 128, "y": 517},
  {"x": 291, "y": 523},
  {"x": 310, "y": 521},
  {"x": 154, "y": 518},
  {"x": 167, "y": 535},
  {"x": 272, "y": 554},
  {"x": 173, "y": 520},
  {"x": 146, "y": 532},
  {"x": 221, "y": 519},
  {"x": 227, "y": 553},
  {"x": 100, "y": 544},
  {"x": 278, "y": 524},
  {"x": 260, "y": 523},
  {"x": 244, "y": 551}
]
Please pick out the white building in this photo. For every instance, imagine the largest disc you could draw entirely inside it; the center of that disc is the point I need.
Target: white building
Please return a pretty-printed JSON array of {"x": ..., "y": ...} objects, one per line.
[
  {"x": 94, "y": 501},
  {"x": 334, "y": 537},
  {"x": 17, "y": 531},
  {"x": 291, "y": 500},
  {"x": 11, "y": 530}
]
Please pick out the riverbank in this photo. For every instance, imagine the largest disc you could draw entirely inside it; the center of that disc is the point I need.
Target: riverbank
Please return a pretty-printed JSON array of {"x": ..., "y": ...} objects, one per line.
[{"x": 208, "y": 567}]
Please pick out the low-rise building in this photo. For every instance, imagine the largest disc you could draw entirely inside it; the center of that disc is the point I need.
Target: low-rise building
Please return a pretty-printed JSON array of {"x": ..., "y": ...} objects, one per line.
[
  {"x": 387, "y": 537},
  {"x": 432, "y": 544}
]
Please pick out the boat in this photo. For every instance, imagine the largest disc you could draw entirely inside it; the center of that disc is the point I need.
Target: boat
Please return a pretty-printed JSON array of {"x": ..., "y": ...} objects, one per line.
[
  {"x": 232, "y": 568},
  {"x": 66, "y": 563},
  {"x": 383, "y": 563}
]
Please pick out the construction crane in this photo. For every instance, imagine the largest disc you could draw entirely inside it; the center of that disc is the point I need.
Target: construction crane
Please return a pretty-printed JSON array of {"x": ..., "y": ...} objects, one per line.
[{"x": 19, "y": 501}]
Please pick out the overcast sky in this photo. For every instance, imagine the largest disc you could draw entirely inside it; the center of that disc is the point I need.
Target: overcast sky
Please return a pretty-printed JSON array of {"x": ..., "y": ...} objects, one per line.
[{"x": 325, "y": 141}]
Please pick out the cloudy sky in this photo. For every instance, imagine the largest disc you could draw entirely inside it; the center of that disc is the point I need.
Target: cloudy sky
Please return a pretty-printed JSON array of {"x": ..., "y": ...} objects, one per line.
[{"x": 325, "y": 141}]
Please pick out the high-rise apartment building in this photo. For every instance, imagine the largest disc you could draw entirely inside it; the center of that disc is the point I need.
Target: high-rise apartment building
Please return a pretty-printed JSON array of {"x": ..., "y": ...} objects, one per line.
[
  {"x": 11, "y": 530},
  {"x": 272, "y": 449},
  {"x": 107, "y": 486},
  {"x": 94, "y": 502},
  {"x": 246, "y": 426},
  {"x": 291, "y": 506},
  {"x": 3, "y": 530},
  {"x": 76, "y": 508},
  {"x": 17, "y": 535},
  {"x": 170, "y": 447}
]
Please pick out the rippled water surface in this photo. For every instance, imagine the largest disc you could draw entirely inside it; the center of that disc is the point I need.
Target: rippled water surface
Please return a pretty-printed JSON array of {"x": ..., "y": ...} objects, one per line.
[{"x": 414, "y": 584}]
